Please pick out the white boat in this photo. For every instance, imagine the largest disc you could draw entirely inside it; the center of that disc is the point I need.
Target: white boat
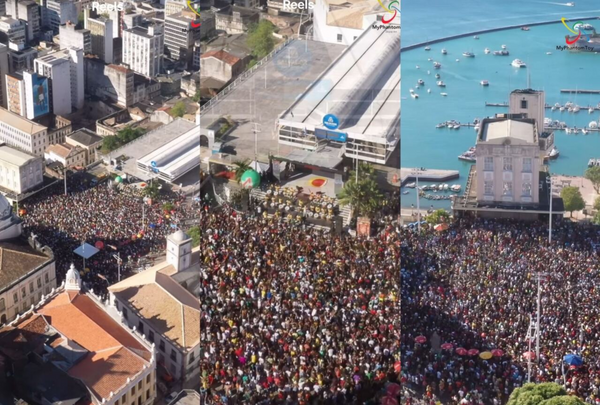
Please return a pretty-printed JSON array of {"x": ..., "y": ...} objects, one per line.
[
  {"x": 570, "y": 109},
  {"x": 475, "y": 37},
  {"x": 484, "y": 83},
  {"x": 428, "y": 48},
  {"x": 429, "y": 59},
  {"x": 420, "y": 82},
  {"x": 570, "y": 4},
  {"x": 553, "y": 153},
  {"x": 458, "y": 60},
  {"x": 468, "y": 54},
  {"x": 588, "y": 27},
  {"x": 486, "y": 50},
  {"x": 591, "y": 110},
  {"x": 418, "y": 67},
  {"x": 548, "y": 53},
  {"x": 456, "y": 188},
  {"x": 441, "y": 83},
  {"x": 437, "y": 76},
  {"x": 437, "y": 65},
  {"x": 428, "y": 90},
  {"x": 584, "y": 131},
  {"x": 445, "y": 187},
  {"x": 429, "y": 72},
  {"x": 444, "y": 95},
  {"x": 562, "y": 109},
  {"x": 444, "y": 52},
  {"x": 518, "y": 63},
  {"x": 503, "y": 46},
  {"x": 476, "y": 127},
  {"x": 503, "y": 52},
  {"x": 411, "y": 185},
  {"x": 557, "y": 105},
  {"x": 414, "y": 95},
  {"x": 576, "y": 109},
  {"x": 553, "y": 108}
]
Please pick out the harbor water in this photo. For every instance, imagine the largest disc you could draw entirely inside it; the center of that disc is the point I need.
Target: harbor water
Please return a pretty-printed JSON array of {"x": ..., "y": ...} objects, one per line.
[{"x": 424, "y": 145}]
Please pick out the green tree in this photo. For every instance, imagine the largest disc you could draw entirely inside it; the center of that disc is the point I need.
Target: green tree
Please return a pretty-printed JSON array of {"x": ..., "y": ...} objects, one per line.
[
  {"x": 152, "y": 190},
  {"x": 438, "y": 216},
  {"x": 364, "y": 196},
  {"x": 542, "y": 394},
  {"x": 196, "y": 97},
  {"x": 178, "y": 110},
  {"x": 260, "y": 38},
  {"x": 129, "y": 134},
  {"x": 593, "y": 175},
  {"x": 241, "y": 166},
  {"x": 110, "y": 143},
  {"x": 365, "y": 171},
  {"x": 168, "y": 206},
  {"x": 572, "y": 199},
  {"x": 194, "y": 233}
]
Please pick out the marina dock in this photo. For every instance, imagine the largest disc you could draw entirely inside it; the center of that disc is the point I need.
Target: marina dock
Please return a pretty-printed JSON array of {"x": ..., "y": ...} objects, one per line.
[
  {"x": 578, "y": 91},
  {"x": 435, "y": 175}
]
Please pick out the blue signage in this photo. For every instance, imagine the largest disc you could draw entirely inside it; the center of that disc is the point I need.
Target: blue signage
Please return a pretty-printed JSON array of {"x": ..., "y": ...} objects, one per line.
[
  {"x": 39, "y": 87},
  {"x": 155, "y": 170},
  {"x": 153, "y": 163},
  {"x": 331, "y": 135},
  {"x": 331, "y": 121}
]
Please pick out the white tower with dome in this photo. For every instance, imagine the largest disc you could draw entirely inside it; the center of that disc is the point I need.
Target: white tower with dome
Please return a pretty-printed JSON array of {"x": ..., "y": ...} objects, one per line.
[
  {"x": 73, "y": 279},
  {"x": 179, "y": 250}
]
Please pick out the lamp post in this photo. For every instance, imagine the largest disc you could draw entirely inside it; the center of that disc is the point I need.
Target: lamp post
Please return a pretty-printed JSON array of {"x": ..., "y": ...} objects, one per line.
[{"x": 549, "y": 181}]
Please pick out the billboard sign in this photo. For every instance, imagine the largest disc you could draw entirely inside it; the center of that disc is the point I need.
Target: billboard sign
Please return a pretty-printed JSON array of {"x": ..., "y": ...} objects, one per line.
[
  {"x": 331, "y": 135},
  {"x": 41, "y": 99},
  {"x": 331, "y": 121}
]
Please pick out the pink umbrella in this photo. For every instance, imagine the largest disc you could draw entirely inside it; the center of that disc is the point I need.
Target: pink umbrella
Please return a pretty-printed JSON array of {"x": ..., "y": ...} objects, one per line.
[
  {"x": 461, "y": 351},
  {"x": 447, "y": 346},
  {"x": 473, "y": 352},
  {"x": 420, "y": 339},
  {"x": 387, "y": 400},
  {"x": 497, "y": 353},
  {"x": 529, "y": 355},
  {"x": 393, "y": 389}
]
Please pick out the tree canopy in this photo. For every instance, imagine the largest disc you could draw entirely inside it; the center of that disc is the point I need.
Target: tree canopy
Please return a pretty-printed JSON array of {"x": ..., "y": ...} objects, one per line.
[
  {"x": 260, "y": 38},
  {"x": 542, "y": 394},
  {"x": 593, "y": 175},
  {"x": 126, "y": 135},
  {"x": 437, "y": 217},
  {"x": 178, "y": 110},
  {"x": 572, "y": 199}
]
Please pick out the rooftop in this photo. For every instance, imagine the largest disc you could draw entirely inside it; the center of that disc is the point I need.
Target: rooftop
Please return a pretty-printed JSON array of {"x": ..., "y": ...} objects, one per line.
[
  {"x": 186, "y": 397},
  {"x": 20, "y": 123},
  {"x": 495, "y": 129},
  {"x": 15, "y": 156},
  {"x": 85, "y": 137},
  {"x": 63, "y": 150},
  {"x": 221, "y": 55},
  {"x": 244, "y": 11},
  {"x": 350, "y": 13},
  {"x": 17, "y": 259}
]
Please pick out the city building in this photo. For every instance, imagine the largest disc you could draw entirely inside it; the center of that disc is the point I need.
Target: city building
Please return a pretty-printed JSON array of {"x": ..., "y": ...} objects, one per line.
[
  {"x": 236, "y": 20},
  {"x": 21, "y": 60},
  {"x": 28, "y": 94},
  {"x": 174, "y": 6},
  {"x": 22, "y": 133},
  {"x": 66, "y": 154},
  {"x": 111, "y": 82},
  {"x": 132, "y": 19},
  {"x": 89, "y": 357},
  {"x": 207, "y": 24},
  {"x": 196, "y": 57},
  {"x": 342, "y": 21},
  {"x": 353, "y": 108},
  {"x": 19, "y": 171},
  {"x": 71, "y": 37},
  {"x": 143, "y": 49},
  {"x": 87, "y": 140},
  {"x": 180, "y": 37},
  {"x": 101, "y": 31},
  {"x": 58, "y": 12},
  {"x": 29, "y": 11},
  {"x": 28, "y": 269},
  {"x": 4, "y": 70},
  {"x": 221, "y": 65},
  {"x": 12, "y": 32},
  {"x": 65, "y": 68},
  {"x": 161, "y": 308}
]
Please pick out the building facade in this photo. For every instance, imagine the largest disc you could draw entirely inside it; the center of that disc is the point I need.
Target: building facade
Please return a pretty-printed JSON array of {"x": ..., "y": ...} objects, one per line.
[
  {"x": 143, "y": 49},
  {"x": 22, "y": 133},
  {"x": 19, "y": 171},
  {"x": 12, "y": 32},
  {"x": 101, "y": 31},
  {"x": 71, "y": 37},
  {"x": 180, "y": 36},
  {"x": 66, "y": 154},
  {"x": 58, "y": 12}
]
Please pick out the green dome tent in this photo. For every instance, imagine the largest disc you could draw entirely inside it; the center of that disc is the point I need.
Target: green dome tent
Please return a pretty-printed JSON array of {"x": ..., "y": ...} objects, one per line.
[{"x": 250, "y": 179}]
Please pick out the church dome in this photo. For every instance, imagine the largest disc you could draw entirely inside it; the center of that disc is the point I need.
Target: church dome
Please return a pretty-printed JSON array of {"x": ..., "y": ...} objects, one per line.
[
  {"x": 72, "y": 279},
  {"x": 179, "y": 236}
]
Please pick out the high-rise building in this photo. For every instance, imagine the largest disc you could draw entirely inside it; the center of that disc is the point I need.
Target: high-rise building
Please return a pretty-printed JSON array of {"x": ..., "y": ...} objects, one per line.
[
  {"x": 57, "y": 12},
  {"x": 174, "y": 6},
  {"x": 180, "y": 36},
  {"x": 29, "y": 11},
  {"x": 101, "y": 30},
  {"x": 12, "y": 32},
  {"x": 71, "y": 37},
  {"x": 21, "y": 60},
  {"x": 143, "y": 49},
  {"x": 22, "y": 133},
  {"x": 28, "y": 94},
  {"x": 4, "y": 70}
]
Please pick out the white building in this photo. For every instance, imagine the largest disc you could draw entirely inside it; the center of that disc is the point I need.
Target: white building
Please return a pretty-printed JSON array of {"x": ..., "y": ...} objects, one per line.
[
  {"x": 19, "y": 171},
  {"x": 164, "y": 310},
  {"x": 65, "y": 69},
  {"x": 28, "y": 269},
  {"x": 180, "y": 36},
  {"x": 66, "y": 154},
  {"x": 12, "y": 32},
  {"x": 58, "y": 12},
  {"x": 143, "y": 49},
  {"x": 101, "y": 30},
  {"x": 29, "y": 11},
  {"x": 343, "y": 21},
  {"x": 70, "y": 37},
  {"x": 174, "y": 6},
  {"x": 22, "y": 133}
]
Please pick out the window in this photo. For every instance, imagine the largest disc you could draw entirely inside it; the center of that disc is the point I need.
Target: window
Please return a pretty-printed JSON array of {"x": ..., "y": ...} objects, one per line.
[
  {"x": 151, "y": 336},
  {"x": 507, "y": 188},
  {"x": 507, "y": 164},
  {"x": 527, "y": 165},
  {"x": 147, "y": 394},
  {"x": 3, "y": 319},
  {"x": 191, "y": 357},
  {"x": 173, "y": 355},
  {"x": 339, "y": 37},
  {"x": 16, "y": 297},
  {"x": 133, "y": 390},
  {"x": 523, "y": 104},
  {"x": 2, "y": 304},
  {"x": 141, "y": 327},
  {"x": 148, "y": 379},
  {"x": 46, "y": 278},
  {"x": 161, "y": 346},
  {"x": 488, "y": 163},
  {"x": 140, "y": 385},
  {"x": 39, "y": 282},
  {"x": 125, "y": 313},
  {"x": 526, "y": 189},
  {"x": 488, "y": 187},
  {"x": 23, "y": 292}
]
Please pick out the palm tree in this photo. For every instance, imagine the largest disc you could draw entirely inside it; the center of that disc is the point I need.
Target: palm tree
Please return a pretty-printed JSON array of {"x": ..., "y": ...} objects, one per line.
[
  {"x": 241, "y": 166},
  {"x": 364, "y": 196}
]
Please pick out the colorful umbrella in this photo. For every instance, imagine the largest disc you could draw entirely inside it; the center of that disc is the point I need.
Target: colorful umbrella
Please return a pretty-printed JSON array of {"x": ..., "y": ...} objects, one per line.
[
  {"x": 387, "y": 400},
  {"x": 497, "y": 353},
  {"x": 420, "y": 339},
  {"x": 441, "y": 227},
  {"x": 473, "y": 352},
  {"x": 485, "y": 355},
  {"x": 461, "y": 351},
  {"x": 573, "y": 360},
  {"x": 529, "y": 355},
  {"x": 393, "y": 389},
  {"x": 99, "y": 244},
  {"x": 447, "y": 346},
  {"x": 397, "y": 367}
]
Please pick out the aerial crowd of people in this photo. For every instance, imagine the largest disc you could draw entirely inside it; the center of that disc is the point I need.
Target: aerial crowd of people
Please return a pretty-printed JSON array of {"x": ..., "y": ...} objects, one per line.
[
  {"x": 296, "y": 315},
  {"x": 473, "y": 288}
]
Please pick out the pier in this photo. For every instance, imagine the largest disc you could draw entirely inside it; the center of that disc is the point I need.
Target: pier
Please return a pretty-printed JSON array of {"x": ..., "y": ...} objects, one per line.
[
  {"x": 435, "y": 175},
  {"x": 549, "y": 106},
  {"x": 577, "y": 91}
]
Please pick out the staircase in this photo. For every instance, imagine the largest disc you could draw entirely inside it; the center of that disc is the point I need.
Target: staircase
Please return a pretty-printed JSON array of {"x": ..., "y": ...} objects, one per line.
[{"x": 346, "y": 214}]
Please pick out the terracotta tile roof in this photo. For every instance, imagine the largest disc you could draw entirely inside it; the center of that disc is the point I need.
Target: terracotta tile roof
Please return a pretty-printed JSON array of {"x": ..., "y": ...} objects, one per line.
[
  {"x": 18, "y": 259},
  {"x": 17, "y": 343},
  {"x": 222, "y": 56},
  {"x": 114, "y": 354}
]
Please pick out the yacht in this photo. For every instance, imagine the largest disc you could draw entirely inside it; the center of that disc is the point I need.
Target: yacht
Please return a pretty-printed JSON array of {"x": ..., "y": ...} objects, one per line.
[
  {"x": 548, "y": 53},
  {"x": 518, "y": 63},
  {"x": 437, "y": 76},
  {"x": 437, "y": 65},
  {"x": 524, "y": 28},
  {"x": 468, "y": 156},
  {"x": 418, "y": 67},
  {"x": 588, "y": 27},
  {"x": 468, "y": 54},
  {"x": 484, "y": 83},
  {"x": 458, "y": 60},
  {"x": 553, "y": 108},
  {"x": 503, "y": 46},
  {"x": 428, "y": 48},
  {"x": 553, "y": 153},
  {"x": 444, "y": 95},
  {"x": 475, "y": 37},
  {"x": 428, "y": 90},
  {"x": 562, "y": 109},
  {"x": 411, "y": 185},
  {"x": 429, "y": 59},
  {"x": 503, "y": 52},
  {"x": 591, "y": 110},
  {"x": 570, "y": 4},
  {"x": 420, "y": 82},
  {"x": 576, "y": 109},
  {"x": 444, "y": 52},
  {"x": 414, "y": 95},
  {"x": 455, "y": 188},
  {"x": 486, "y": 50},
  {"x": 585, "y": 131},
  {"x": 441, "y": 83}
]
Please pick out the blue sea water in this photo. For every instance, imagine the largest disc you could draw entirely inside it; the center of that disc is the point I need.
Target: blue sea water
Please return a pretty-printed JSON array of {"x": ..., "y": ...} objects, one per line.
[{"x": 425, "y": 146}]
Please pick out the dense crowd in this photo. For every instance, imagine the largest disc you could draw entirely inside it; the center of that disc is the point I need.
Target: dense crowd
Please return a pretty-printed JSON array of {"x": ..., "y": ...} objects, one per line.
[
  {"x": 475, "y": 286},
  {"x": 293, "y": 315},
  {"x": 116, "y": 216}
]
